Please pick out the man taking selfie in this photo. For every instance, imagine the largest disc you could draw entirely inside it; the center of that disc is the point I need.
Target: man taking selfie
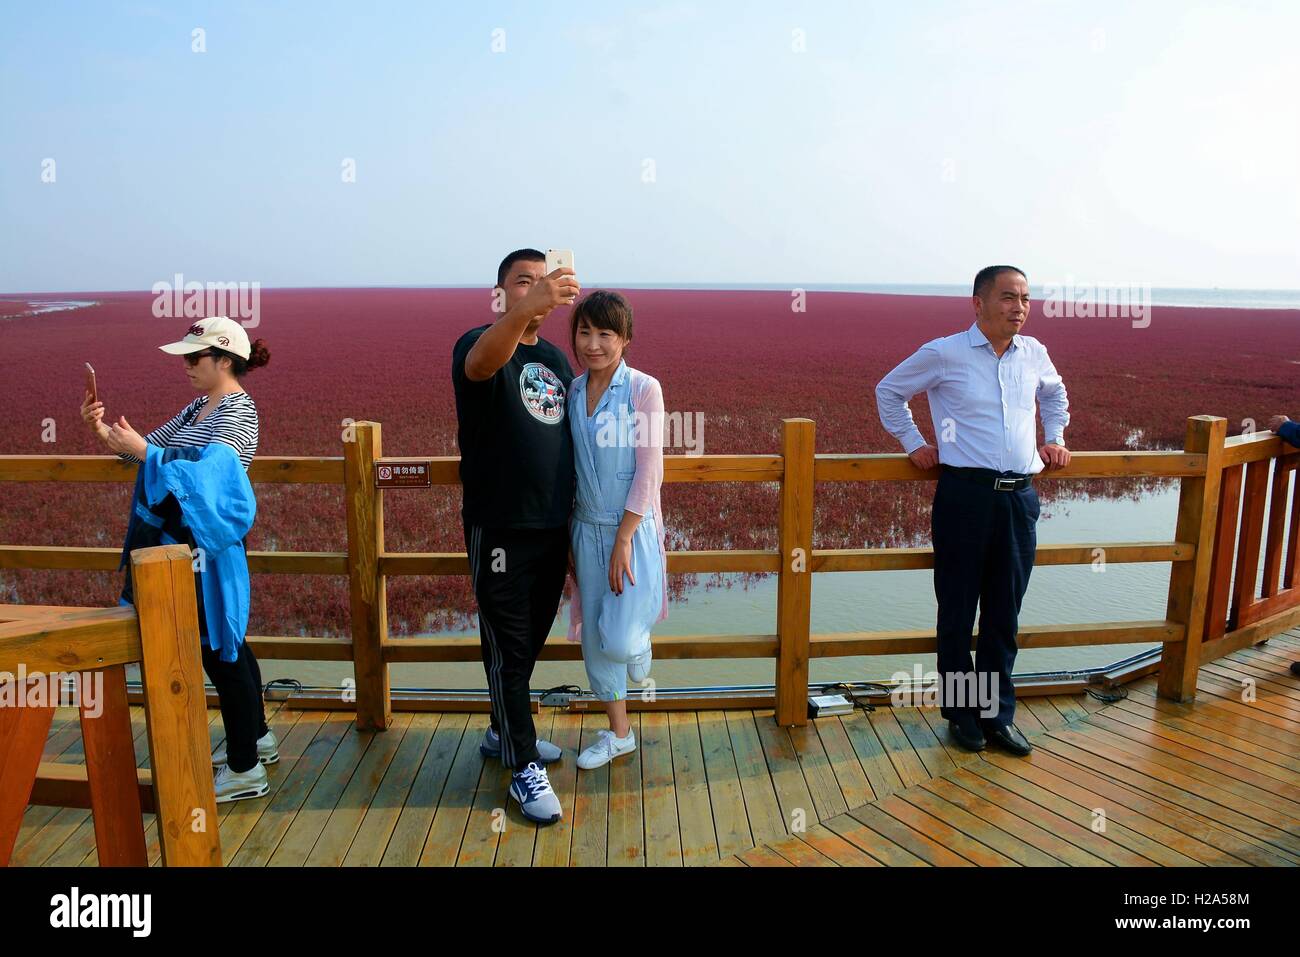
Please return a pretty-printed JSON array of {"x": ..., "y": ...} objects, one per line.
[{"x": 518, "y": 482}]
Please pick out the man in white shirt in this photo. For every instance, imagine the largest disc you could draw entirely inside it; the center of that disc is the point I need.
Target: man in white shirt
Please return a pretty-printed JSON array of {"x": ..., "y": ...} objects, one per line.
[{"x": 982, "y": 385}]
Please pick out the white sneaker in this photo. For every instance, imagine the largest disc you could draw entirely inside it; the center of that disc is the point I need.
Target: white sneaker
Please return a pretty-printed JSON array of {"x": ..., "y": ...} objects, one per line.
[
  {"x": 638, "y": 669},
  {"x": 240, "y": 785},
  {"x": 606, "y": 749},
  {"x": 267, "y": 750},
  {"x": 531, "y": 789}
]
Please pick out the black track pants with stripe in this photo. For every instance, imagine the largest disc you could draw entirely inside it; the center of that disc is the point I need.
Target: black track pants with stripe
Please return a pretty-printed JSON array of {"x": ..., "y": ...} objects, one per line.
[{"x": 518, "y": 578}]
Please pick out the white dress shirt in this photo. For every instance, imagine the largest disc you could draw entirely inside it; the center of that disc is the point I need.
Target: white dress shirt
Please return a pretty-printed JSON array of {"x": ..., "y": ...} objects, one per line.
[{"x": 981, "y": 404}]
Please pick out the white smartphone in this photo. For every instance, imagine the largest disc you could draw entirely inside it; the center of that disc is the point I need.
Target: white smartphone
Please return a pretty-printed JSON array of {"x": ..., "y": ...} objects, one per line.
[{"x": 559, "y": 259}]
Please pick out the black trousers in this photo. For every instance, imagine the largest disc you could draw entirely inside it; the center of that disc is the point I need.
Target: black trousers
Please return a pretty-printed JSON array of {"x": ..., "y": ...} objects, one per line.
[
  {"x": 984, "y": 542},
  {"x": 239, "y": 690},
  {"x": 518, "y": 578}
]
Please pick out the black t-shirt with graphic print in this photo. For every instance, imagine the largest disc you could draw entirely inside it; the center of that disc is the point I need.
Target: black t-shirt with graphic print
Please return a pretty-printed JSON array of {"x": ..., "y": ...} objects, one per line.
[{"x": 516, "y": 464}]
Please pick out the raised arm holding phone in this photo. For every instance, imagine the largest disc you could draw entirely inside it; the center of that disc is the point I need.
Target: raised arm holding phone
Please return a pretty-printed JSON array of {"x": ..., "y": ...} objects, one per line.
[
  {"x": 118, "y": 437},
  {"x": 529, "y": 292}
]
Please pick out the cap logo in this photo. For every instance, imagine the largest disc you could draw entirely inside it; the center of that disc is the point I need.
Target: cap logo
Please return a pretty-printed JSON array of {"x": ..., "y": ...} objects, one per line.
[
  {"x": 223, "y": 340},
  {"x": 196, "y": 330}
]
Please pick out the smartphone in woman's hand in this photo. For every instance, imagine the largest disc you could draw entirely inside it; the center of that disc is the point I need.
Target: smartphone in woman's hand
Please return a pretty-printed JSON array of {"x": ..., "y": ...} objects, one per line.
[{"x": 90, "y": 383}]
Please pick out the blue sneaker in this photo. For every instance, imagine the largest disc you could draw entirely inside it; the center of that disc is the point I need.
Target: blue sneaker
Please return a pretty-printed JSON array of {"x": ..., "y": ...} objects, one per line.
[
  {"x": 531, "y": 789},
  {"x": 547, "y": 753}
]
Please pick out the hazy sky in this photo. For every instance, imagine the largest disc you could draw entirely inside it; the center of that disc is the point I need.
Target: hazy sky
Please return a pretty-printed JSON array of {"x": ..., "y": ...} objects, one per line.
[{"x": 1151, "y": 142}]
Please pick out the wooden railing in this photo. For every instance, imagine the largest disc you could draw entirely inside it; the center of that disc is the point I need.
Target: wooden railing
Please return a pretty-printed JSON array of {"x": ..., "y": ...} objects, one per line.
[
  {"x": 93, "y": 646},
  {"x": 1195, "y": 610},
  {"x": 1257, "y": 509}
]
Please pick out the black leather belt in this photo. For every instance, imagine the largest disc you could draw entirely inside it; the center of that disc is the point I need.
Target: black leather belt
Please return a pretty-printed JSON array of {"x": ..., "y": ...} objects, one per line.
[{"x": 1001, "y": 481}]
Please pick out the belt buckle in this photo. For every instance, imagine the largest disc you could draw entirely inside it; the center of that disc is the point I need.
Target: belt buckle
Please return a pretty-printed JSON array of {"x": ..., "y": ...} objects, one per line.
[{"x": 1010, "y": 485}]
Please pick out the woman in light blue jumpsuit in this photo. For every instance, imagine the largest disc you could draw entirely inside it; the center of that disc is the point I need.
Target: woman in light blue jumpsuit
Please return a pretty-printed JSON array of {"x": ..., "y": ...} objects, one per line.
[{"x": 616, "y": 416}]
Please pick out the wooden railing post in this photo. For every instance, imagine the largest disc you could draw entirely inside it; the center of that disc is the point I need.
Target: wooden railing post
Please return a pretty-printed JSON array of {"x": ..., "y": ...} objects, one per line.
[
  {"x": 110, "y": 771},
  {"x": 794, "y": 582},
  {"x": 176, "y": 711},
  {"x": 1218, "y": 592},
  {"x": 23, "y": 731},
  {"x": 365, "y": 511},
  {"x": 1189, "y": 582}
]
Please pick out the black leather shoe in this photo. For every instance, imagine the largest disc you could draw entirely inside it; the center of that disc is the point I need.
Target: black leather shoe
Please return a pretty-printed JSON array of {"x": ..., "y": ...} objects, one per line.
[
  {"x": 1295, "y": 667},
  {"x": 1009, "y": 738},
  {"x": 966, "y": 732}
]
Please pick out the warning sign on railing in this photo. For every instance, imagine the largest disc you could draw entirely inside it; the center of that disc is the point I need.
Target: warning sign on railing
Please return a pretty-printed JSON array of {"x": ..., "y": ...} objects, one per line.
[{"x": 402, "y": 475}]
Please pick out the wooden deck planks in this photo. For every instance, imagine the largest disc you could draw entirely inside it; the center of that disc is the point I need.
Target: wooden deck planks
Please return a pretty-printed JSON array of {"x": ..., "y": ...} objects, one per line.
[
  {"x": 385, "y": 808},
  {"x": 694, "y": 810},
  {"x": 452, "y": 813},
  {"x": 663, "y": 846},
  {"x": 331, "y": 847},
  {"x": 1212, "y": 783},
  {"x": 406, "y": 840},
  {"x": 625, "y": 836},
  {"x": 590, "y": 843},
  {"x": 762, "y": 808},
  {"x": 726, "y": 797}
]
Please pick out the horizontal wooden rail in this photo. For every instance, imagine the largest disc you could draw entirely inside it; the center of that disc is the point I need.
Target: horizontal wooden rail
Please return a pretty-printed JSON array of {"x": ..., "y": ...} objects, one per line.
[
  {"x": 896, "y": 467},
  {"x": 298, "y": 648},
  {"x": 100, "y": 559},
  {"x": 1256, "y": 447},
  {"x": 99, "y": 638},
  {"x": 43, "y": 612},
  {"x": 844, "y": 644},
  {"x": 61, "y": 557},
  {"x": 445, "y": 469},
  {"x": 456, "y": 563},
  {"x": 1250, "y": 634},
  {"x": 274, "y": 469},
  {"x": 558, "y": 648},
  {"x": 895, "y": 559},
  {"x": 59, "y": 784},
  {"x": 65, "y": 468}
]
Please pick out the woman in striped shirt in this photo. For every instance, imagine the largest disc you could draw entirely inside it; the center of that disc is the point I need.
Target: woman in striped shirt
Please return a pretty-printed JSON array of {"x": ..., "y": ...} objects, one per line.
[
  {"x": 232, "y": 420},
  {"x": 217, "y": 353}
]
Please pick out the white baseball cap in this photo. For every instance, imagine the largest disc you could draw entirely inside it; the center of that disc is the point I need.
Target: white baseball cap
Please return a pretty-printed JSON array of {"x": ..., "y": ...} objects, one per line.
[{"x": 215, "y": 333}]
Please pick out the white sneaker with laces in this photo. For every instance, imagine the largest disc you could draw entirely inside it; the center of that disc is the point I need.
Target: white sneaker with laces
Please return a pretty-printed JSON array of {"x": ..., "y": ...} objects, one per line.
[
  {"x": 608, "y": 746},
  {"x": 240, "y": 785},
  {"x": 531, "y": 789},
  {"x": 267, "y": 750}
]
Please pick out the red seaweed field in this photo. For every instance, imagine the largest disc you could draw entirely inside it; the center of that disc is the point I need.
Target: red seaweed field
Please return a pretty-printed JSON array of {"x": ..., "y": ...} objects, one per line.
[{"x": 739, "y": 360}]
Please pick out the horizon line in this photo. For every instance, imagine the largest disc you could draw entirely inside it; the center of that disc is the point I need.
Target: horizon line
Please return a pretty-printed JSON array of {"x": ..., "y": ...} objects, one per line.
[{"x": 721, "y": 286}]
